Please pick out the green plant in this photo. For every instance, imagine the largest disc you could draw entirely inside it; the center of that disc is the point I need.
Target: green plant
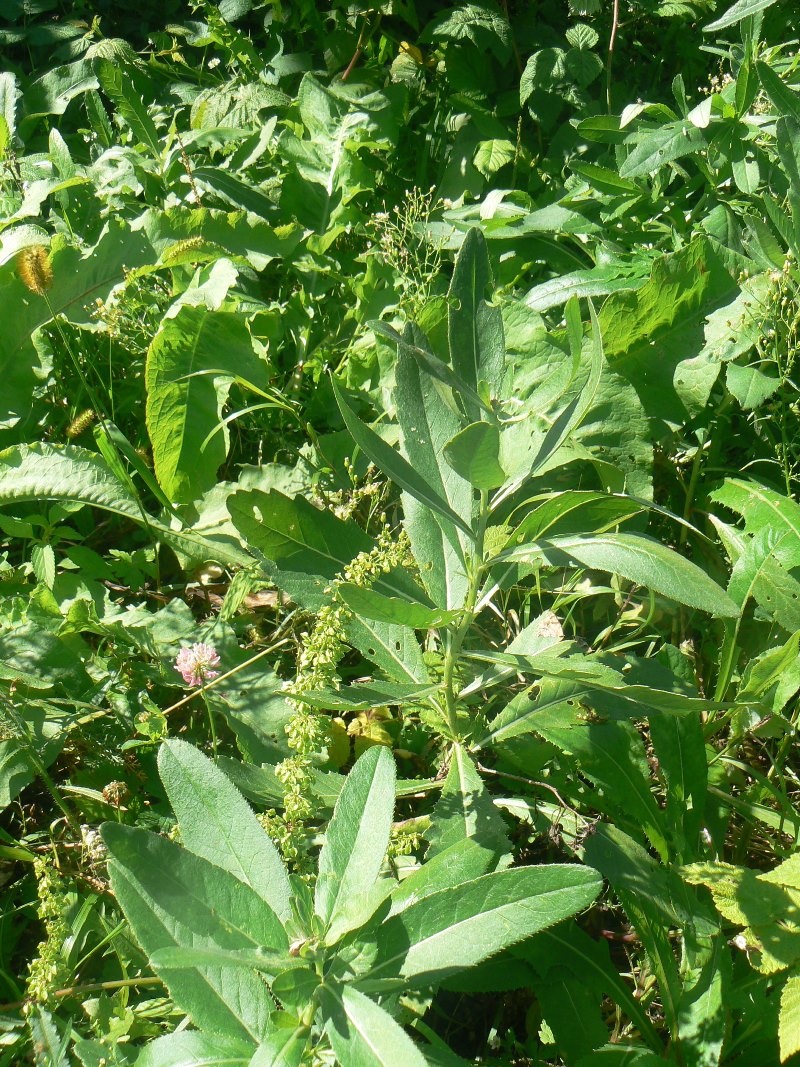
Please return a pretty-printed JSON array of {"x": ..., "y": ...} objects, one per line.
[{"x": 219, "y": 914}]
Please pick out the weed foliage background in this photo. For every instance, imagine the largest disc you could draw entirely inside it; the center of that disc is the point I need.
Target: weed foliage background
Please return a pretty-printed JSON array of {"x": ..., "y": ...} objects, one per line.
[{"x": 399, "y": 534}]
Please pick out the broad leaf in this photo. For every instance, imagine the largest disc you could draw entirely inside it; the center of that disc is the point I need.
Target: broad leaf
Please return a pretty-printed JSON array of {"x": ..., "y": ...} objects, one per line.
[
  {"x": 191, "y": 1048},
  {"x": 216, "y": 823},
  {"x": 191, "y": 363},
  {"x": 174, "y": 899},
  {"x": 474, "y": 454}
]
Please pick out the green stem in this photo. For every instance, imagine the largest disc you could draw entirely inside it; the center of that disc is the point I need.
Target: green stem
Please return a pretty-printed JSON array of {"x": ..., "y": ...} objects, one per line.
[{"x": 455, "y": 641}]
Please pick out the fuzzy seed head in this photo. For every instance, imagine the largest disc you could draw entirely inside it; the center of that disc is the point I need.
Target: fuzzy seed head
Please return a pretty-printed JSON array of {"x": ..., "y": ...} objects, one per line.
[{"x": 34, "y": 270}]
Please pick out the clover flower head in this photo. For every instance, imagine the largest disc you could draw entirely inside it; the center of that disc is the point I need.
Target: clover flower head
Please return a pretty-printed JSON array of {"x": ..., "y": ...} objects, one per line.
[{"x": 196, "y": 663}]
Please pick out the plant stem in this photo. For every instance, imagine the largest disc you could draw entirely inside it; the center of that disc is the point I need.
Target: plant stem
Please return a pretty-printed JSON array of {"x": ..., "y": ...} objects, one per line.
[
  {"x": 456, "y": 638},
  {"x": 90, "y": 987}
]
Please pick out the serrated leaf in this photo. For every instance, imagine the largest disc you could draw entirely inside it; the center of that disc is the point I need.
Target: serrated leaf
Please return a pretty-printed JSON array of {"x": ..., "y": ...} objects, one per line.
[
  {"x": 43, "y": 561},
  {"x": 789, "y": 1018},
  {"x": 492, "y": 155},
  {"x": 457, "y": 928},
  {"x": 117, "y": 84}
]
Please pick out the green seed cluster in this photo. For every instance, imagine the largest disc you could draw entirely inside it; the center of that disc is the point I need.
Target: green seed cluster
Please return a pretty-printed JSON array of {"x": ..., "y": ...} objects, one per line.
[
  {"x": 307, "y": 731},
  {"x": 48, "y": 970}
]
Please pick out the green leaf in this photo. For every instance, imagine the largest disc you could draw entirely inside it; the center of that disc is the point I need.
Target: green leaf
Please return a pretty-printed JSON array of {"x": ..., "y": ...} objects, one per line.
[
  {"x": 286, "y": 1044},
  {"x": 662, "y": 145},
  {"x": 174, "y": 899},
  {"x": 568, "y": 947},
  {"x": 117, "y": 83},
  {"x": 759, "y": 574},
  {"x": 475, "y": 329},
  {"x": 49, "y": 1046},
  {"x": 393, "y": 465},
  {"x": 51, "y": 92},
  {"x": 785, "y": 100},
  {"x": 216, "y": 823},
  {"x": 637, "y": 558},
  {"x": 235, "y": 191},
  {"x": 263, "y": 960},
  {"x": 356, "y": 840},
  {"x": 15, "y": 771},
  {"x": 79, "y": 279},
  {"x": 192, "y": 1048},
  {"x": 789, "y": 1019},
  {"x": 474, "y": 454},
  {"x": 652, "y": 337},
  {"x": 363, "y": 696},
  {"x": 304, "y": 548},
  {"x": 492, "y": 155},
  {"x": 457, "y": 928},
  {"x": 461, "y": 862},
  {"x": 742, "y": 9},
  {"x": 465, "y": 811},
  {"x": 427, "y": 423},
  {"x": 69, "y": 473},
  {"x": 393, "y": 647},
  {"x": 581, "y": 283},
  {"x": 364, "y": 1034},
  {"x": 612, "y": 756},
  {"x": 368, "y": 603},
  {"x": 184, "y": 404}
]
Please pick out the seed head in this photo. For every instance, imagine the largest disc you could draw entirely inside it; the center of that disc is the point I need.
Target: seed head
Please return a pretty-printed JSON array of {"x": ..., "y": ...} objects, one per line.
[{"x": 34, "y": 270}]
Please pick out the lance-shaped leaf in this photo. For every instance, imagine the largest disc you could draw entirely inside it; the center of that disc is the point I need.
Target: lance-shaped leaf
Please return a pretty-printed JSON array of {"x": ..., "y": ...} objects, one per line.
[
  {"x": 370, "y": 604},
  {"x": 356, "y": 838},
  {"x": 196, "y": 1048},
  {"x": 427, "y": 423},
  {"x": 475, "y": 329},
  {"x": 216, "y": 823},
  {"x": 43, "y": 471},
  {"x": 116, "y": 83},
  {"x": 635, "y": 557},
  {"x": 363, "y": 1034},
  {"x": 457, "y": 928},
  {"x": 393, "y": 465},
  {"x": 174, "y": 899}
]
